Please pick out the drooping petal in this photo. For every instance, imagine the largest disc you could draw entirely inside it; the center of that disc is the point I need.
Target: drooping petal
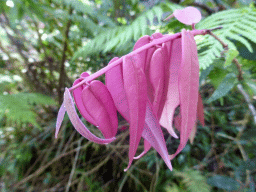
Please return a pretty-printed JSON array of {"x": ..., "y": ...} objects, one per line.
[
  {"x": 155, "y": 76},
  {"x": 200, "y": 110},
  {"x": 135, "y": 85},
  {"x": 115, "y": 84},
  {"x": 78, "y": 124},
  {"x": 142, "y": 41},
  {"x": 155, "y": 70},
  {"x": 188, "y": 88},
  {"x": 177, "y": 122},
  {"x": 60, "y": 118},
  {"x": 100, "y": 105},
  {"x": 193, "y": 133},
  {"x": 172, "y": 99},
  {"x": 200, "y": 116},
  {"x": 147, "y": 145},
  {"x": 151, "y": 50},
  {"x": 77, "y": 94},
  {"x": 153, "y": 134}
]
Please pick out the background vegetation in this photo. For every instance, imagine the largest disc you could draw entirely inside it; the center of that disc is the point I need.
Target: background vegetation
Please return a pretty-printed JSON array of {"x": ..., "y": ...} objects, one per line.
[{"x": 46, "y": 44}]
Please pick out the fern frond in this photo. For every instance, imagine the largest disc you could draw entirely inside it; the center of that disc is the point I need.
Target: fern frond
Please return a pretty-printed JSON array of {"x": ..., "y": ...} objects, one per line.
[
  {"x": 193, "y": 180},
  {"x": 116, "y": 38},
  {"x": 238, "y": 25},
  {"x": 19, "y": 107},
  {"x": 173, "y": 188}
]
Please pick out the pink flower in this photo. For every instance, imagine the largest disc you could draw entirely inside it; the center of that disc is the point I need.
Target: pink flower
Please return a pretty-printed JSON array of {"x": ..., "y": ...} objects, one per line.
[{"x": 145, "y": 87}]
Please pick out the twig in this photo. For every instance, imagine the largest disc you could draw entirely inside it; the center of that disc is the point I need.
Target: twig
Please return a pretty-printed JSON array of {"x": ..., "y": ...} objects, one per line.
[
  {"x": 224, "y": 45},
  {"x": 62, "y": 64},
  {"x": 41, "y": 169},
  {"x": 156, "y": 175},
  {"x": 74, "y": 166},
  {"x": 248, "y": 101},
  {"x": 129, "y": 174},
  {"x": 239, "y": 68}
]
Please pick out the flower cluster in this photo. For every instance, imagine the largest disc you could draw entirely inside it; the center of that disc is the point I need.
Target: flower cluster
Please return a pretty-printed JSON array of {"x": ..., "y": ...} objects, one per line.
[{"x": 145, "y": 87}]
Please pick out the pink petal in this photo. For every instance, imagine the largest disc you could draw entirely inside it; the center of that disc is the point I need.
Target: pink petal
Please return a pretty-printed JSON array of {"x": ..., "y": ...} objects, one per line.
[
  {"x": 78, "y": 124},
  {"x": 114, "y": 82},
  {"x": 193, "y": 133},
  {"x": 156, "y": 78},
  {"x": 153, "y": 134},
  {"x": 100, "y": 105},
  {"x": 166, "y": 61},
  {"x": 156, "y": 35},
  {"x": 135, "y": 85},
  {"x": 142, "y": 41},
  {"x": 60, "y": 117},
  {"x": 177, "y": 122},
  {"x": 188, "y": 16},
  {"x": 77, "y": 94},
  {"x": 188, "y": 88},
  {"x": 151, "y": 50},
  {"x": 147, "y": 146},
  {"x": 172, "y": 100},
  {"x": 115, "y": 85},
  {"x": 84, "y": 74}
]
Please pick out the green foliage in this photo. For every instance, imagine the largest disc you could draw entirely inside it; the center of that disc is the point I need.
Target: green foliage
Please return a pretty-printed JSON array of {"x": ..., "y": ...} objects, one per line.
[
  {"x": 20, "y": 108},
  {"x": 238, "y": 25},
  {"x": 192, "y": 180},
  {"x": 232, "y": 53},
  {"x": 116, "y": 39},
  {"x": 225, "y": 86},
  {"x": 223, "y": 182}
]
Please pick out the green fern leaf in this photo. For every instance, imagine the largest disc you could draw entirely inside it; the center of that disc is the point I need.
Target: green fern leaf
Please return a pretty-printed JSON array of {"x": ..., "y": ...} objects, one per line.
[
  {"x": 238, "y": 25},
  {"x": 193, "y": 180},
  {"x": 116, "y": 38},
  {"x": 173, "y": 188},
  {"x": 18, "y": 108}
]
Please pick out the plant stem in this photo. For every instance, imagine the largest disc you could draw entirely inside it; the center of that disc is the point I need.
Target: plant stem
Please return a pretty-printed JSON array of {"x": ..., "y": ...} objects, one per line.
[
  {"x": 74, "y": 166},
  {"x": 62, "y": 64}
]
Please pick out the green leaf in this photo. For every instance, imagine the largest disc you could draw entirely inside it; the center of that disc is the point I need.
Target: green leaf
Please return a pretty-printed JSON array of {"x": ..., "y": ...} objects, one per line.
[
  {"x": 232, "y": 53},
  {"x": 223, "y": 182},
  {"x": 252, "y": 85},
  {"x": 19, "y": 107},
  {"x": 193, "y": 180},
  {"x": 247, "y": 165},
  {"x": 238, "y": 29},
  {"x": 225, "y": 86}
]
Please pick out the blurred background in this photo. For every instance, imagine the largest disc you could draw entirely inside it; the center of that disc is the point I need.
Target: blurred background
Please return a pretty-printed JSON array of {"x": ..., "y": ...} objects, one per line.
[{"x": 46, "y": 44}]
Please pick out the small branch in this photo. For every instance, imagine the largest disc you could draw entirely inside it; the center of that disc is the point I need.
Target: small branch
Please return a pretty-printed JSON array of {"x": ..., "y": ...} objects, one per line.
[
  {"x": 74, "y": 166},
  {"x": 239, "y": 68},
  {"x": 62, "y": 64},
  {"x": 248, "y": 101},
  {"x": 224, "y": 45},
  {"x": 41, "y": 169}
]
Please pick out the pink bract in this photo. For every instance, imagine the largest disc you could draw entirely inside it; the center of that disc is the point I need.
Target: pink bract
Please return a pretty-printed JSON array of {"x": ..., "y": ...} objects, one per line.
[{"x": 145, "y": 86}]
